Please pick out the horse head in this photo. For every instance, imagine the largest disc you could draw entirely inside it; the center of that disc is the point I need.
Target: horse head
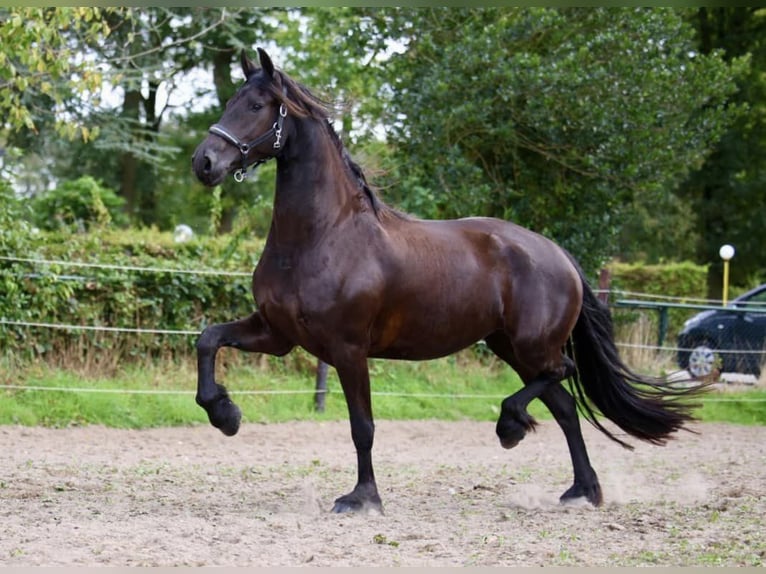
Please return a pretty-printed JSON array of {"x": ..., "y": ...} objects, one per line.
[{"x": 250, "y": 131}]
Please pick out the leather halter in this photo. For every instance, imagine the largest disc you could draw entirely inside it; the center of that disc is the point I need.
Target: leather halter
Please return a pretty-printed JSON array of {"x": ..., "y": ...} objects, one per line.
[{"x": 244, "y": 148}]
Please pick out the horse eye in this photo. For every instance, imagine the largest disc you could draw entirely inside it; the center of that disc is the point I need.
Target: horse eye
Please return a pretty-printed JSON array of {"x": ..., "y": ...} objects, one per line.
[{"x": 255, "y": 107}]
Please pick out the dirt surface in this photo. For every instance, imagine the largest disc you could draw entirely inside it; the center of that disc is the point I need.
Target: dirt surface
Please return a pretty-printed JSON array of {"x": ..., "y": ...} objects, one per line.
[{"x": 452, "y": 496}]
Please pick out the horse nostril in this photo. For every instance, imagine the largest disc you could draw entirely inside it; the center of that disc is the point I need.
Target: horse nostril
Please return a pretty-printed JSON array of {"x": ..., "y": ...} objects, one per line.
[{"x": 207, "y": 167}]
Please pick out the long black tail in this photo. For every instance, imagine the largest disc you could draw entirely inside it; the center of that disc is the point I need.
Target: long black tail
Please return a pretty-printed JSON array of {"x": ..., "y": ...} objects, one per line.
[{"x": 645, "y": 407}]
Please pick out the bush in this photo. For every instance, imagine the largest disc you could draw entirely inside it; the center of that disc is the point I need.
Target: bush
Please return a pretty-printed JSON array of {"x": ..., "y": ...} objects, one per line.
[
  {"x": 118, "y": 296},
  {"x": 685, "y": 281},
  {"x": 14, "y": 229},
  {"x": 81, "y": 204}
]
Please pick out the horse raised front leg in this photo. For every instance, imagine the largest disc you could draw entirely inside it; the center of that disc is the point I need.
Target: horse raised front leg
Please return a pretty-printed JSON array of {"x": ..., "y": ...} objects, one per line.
[
  {"x": 355, "y": 380},
  {"x": 252, "y": 335}
]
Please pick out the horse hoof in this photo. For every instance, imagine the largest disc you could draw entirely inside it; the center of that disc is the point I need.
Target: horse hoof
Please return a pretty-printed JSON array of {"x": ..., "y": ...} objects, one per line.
[
  {"x": 353, "y": 503},
  {"x": 592, "y": 493},
  {"x": 509, "y": 432},
  {"x": 343, "y": 506},
  {"x": 223, "y": 413},
  {"x": 228, "y": 424}
]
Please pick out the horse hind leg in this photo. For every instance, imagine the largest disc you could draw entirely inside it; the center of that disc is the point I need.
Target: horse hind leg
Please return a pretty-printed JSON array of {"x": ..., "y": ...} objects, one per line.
[
  {"x": 562, "y": 406},
  {"x": 514, "y": 421}
]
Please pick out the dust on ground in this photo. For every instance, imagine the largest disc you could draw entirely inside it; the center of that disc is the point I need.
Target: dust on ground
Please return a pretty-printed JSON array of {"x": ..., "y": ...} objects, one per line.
[{"x": 452, "y": 496}]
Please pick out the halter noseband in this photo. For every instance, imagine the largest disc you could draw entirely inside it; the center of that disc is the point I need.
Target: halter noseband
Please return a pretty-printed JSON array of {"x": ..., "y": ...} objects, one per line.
[{"x": 244, "y": 148}]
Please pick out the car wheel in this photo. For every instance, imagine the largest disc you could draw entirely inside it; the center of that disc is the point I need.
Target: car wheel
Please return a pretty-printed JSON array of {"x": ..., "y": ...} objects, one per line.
[{"x": 703, "y": 361}]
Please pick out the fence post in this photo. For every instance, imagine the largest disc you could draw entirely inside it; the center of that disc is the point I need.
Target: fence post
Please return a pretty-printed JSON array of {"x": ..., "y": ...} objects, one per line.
[
  {"x": 321, "y": 386},
  {"x": 604, "y": 280},
  {"x": 662, "y": 327}
]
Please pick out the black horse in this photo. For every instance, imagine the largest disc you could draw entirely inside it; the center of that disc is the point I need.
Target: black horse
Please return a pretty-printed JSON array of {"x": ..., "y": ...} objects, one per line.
[{"x": 346, "y": 277}]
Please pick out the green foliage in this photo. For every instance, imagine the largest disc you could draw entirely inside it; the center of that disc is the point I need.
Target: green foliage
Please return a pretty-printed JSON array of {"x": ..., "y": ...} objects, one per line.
[
  {"x": 14, "y": 229},
  {"x": 119, "y": 297},
  {"x": 39, "y": 68},
  {"x": 555, "y": 118},
  {"x": 578, "y": 123},
  {"x": 659, "y": 229},
  {"x": 398, "y": 387},
  {"x": 745, "y": 408},
  {"x": 82, "y": 204},
  {"x": 726, "y": 195},
  {"x": 683, "y": 280},
  {"x": 400, "y": 392}
]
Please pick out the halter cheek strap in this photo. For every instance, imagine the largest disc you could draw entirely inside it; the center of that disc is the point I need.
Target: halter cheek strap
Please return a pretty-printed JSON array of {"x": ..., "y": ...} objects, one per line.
[{"x": 245, "y": 148}]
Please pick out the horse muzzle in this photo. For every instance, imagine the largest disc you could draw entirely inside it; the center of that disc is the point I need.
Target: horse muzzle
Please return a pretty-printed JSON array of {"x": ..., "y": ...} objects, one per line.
[{"x": 210, "y": 165}]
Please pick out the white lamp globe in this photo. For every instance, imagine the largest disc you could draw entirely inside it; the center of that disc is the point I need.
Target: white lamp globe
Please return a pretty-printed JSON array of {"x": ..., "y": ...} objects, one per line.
[
  {"x": 726, "y": 252},
  {"x": 182, "y": 233}
]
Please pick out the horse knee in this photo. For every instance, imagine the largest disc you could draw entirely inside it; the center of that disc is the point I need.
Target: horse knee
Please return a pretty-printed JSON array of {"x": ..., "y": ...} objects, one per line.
[{"x": 208, "y": 341}]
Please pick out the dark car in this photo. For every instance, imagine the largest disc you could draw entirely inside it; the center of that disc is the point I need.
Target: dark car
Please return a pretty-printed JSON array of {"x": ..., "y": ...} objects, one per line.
[{"x": 739, "y": 328}]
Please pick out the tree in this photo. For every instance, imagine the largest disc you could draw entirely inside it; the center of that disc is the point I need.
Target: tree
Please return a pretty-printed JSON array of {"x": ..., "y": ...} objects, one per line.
[
  {"x": 149, "y": 50},
  {"x": 44, "y": 80},
  {"x": 41, "y": 76},
  {"x": 554, "y": 118},
  {"x": 138, "y": 54},
  {"x": 339, "y": 66},
  {"x": 727, "y": 195},
  {"x": 144, "y": 146}
]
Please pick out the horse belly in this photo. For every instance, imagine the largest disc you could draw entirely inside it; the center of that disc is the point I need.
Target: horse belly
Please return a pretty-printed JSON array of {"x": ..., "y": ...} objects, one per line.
[{"x": 431, "y": 333}]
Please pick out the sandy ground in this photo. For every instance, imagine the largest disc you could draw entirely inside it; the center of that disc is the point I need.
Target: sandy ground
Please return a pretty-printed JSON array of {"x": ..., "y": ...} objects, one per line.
[{"x": 452, "y": 496}]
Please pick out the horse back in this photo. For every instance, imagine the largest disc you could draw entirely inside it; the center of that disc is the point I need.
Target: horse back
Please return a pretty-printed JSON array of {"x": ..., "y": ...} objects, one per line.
[{"x": 453, "y": 282}]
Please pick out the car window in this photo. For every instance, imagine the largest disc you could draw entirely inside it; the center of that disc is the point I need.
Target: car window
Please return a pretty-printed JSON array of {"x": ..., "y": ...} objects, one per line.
[{"x": 757, "y": 301}]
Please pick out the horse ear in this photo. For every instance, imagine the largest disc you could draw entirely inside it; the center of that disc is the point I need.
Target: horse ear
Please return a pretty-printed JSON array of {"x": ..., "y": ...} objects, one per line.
[
  {"x": 266, "y": 64},
  {"x": 248, "y": 66}
]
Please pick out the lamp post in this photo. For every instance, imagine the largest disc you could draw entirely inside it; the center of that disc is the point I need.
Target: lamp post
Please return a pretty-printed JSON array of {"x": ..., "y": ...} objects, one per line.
[{"x": 726, "y": 252}]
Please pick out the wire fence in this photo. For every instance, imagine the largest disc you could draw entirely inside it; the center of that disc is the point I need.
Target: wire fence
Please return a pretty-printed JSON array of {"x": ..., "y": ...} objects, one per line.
[
  {"x": 148, "y": 331},
  {"x": 317, "y": 391},
  {"x": 83, "y": 264}
]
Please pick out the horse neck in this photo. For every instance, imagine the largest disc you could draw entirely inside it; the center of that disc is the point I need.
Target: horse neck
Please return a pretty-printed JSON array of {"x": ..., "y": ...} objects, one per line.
[{"x": 313, "y": 189}]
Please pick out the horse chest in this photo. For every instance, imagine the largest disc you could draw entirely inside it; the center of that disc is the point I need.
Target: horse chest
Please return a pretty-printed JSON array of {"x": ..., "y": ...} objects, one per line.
[{"x": 293, "y": 300}]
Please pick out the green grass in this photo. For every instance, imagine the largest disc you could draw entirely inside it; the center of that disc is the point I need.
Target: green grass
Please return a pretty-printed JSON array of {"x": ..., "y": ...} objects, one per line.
[
  {"x": 747, "y": 407},
  {"x": 126, "y": 399},
  {"x": 453, "y": 388}
]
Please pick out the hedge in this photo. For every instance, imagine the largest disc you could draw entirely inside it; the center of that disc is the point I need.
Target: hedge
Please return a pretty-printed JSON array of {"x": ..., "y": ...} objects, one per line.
[
  {"x": 685, "y": 280},
  {"x": 118, "y": 297}
]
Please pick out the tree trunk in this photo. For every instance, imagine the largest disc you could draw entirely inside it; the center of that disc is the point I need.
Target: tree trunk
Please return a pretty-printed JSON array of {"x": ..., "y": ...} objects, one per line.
[
  {"x": 128, "y": 162},
  {"x": 224, "y": 86},
  {"x": 224, "y": 89}
]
